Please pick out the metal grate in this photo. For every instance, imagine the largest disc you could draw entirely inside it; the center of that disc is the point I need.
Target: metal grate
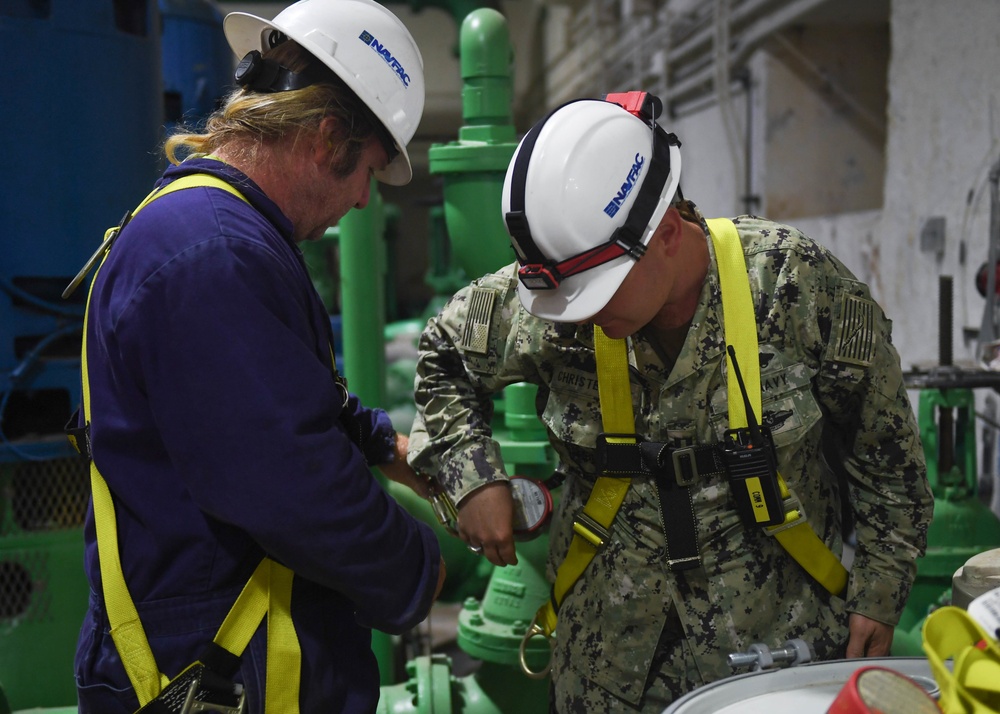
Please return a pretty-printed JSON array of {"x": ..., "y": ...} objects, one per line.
[
  {"x": 21, "y": 574},
  {"x": 43, "y": 496}
]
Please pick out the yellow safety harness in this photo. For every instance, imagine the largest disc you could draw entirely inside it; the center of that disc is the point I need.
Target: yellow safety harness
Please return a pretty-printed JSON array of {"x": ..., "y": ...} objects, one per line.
[
  {"x": 592, "y": 525},
  {"x": 795, "y": 535},
  {"x": 268, "y": 592}
]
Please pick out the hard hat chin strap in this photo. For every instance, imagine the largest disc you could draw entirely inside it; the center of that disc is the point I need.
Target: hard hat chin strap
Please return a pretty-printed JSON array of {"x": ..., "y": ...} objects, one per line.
[{"x": 537, "y": 271}]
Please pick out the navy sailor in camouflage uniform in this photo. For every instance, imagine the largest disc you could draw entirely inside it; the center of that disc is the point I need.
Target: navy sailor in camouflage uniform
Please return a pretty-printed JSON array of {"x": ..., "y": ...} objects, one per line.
[{"x": 634, "y": 634}]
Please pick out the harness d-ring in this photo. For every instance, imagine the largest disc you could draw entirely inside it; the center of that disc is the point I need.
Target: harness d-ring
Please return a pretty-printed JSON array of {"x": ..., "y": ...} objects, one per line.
[{"x": 535, "y": 630}]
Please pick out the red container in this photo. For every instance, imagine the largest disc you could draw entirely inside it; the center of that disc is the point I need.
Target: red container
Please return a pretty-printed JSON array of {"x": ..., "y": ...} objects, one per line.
[{"x": 877, "y": 690}]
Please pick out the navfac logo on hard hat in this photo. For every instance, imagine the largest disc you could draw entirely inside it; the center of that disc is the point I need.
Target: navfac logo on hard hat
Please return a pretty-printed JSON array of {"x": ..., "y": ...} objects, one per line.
[
  {"x": 386, "y": 55},
  {"x": 633, "y": 175}
]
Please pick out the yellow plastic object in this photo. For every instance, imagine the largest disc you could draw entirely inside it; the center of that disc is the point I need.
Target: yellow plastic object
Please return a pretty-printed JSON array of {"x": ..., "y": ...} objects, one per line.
[{"x": 972, "y": 684}]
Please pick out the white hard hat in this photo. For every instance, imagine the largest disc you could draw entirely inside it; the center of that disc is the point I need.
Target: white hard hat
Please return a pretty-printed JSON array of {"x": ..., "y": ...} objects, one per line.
[
  {"x": 365, "y": 45},
  {"x": 583, "y": 194}
]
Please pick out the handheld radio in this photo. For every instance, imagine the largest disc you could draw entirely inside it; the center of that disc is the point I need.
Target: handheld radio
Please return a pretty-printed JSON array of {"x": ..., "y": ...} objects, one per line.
[{"x": 751, "y": 463}]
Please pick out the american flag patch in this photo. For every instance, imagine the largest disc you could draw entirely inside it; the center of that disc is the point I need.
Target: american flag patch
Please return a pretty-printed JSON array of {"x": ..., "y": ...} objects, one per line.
[
  {"x": 475, "y": 337},
  {"x": 856, "y": 342}
]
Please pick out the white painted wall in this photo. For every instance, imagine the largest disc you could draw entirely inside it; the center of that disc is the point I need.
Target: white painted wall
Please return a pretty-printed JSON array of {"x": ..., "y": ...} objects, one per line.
[{"x": 944, "y": 133}]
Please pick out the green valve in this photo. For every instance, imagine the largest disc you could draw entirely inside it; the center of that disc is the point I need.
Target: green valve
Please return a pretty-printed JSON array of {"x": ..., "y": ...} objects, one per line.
[{"x": 473, "y": 167}]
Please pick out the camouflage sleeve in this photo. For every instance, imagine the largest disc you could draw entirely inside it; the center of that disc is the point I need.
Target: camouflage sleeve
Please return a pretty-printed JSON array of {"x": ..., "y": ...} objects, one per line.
[
  {"x": 861, "y": 386},
  {"x": 465, "y": 357}
]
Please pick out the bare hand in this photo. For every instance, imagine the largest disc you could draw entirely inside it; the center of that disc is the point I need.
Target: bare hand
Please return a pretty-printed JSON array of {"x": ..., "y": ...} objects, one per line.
[
  {"x": 868, "y": 638},
  {"x": 485, "y": 519},
  {"x": 400, "y": 472}
]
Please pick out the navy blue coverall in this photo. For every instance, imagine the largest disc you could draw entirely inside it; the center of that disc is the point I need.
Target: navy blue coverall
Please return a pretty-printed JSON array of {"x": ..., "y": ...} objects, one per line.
[{"x": 223, "y": 438}]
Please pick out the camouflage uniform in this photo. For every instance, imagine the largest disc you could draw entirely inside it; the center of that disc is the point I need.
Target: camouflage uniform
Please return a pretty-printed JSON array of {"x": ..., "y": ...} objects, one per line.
[{"x": 632, "y": 634}]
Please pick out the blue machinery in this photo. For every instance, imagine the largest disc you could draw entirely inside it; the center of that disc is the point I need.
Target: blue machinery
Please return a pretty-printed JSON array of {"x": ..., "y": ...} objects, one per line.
[
  {"x": 72, "y": 164},
  {"x": 77, "y": 162},
  {"x": 66, "y": 180}
]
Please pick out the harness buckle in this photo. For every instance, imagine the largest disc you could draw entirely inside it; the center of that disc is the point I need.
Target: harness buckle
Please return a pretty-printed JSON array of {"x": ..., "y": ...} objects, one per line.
[
  {"x": 192, "y": 705},
  {"x": 590, "y": 530},
  {"x": 198, "y": 689},
  {"x": 340, "y": 382},
  {"x": 685, "y": 466},
  {"x": 795, "y": 515}
]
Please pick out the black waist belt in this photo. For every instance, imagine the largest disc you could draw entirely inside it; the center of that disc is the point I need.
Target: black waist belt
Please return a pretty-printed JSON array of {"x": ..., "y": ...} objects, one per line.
[{"x": 673, "y": 470}]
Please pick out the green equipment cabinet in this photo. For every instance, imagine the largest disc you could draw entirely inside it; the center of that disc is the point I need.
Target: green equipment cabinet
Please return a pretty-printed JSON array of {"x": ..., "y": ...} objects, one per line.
[{"x": 43, "y": 588}]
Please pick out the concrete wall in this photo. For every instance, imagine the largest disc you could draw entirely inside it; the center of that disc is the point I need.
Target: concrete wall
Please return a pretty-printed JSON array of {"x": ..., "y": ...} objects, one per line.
[{"x": 944, "y": 133}]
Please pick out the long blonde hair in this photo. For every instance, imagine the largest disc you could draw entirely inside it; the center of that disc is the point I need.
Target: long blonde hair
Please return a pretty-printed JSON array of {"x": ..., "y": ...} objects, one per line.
[{"x": 251, "y": 121}]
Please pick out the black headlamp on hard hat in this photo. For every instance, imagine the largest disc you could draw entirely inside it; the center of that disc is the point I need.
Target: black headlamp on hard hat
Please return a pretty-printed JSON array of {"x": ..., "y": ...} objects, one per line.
[
  {"x": 260, "y": 74},
  {"x": 538, "y": 272}
]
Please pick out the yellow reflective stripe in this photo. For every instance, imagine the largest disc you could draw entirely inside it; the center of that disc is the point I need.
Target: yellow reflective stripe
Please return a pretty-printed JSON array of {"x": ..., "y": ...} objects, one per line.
[{"x": 800, "y": 541}]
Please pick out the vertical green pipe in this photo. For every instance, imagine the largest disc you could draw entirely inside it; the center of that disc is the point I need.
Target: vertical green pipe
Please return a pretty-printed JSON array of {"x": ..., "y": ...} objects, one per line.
[
  {"x": 317, "y": 255},
  {"x": 363, "y": 264},
  {"x": 474, "y": 166}
]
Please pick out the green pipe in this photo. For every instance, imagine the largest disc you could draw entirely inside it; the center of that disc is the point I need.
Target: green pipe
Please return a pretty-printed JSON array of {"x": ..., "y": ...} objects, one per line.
[
  {"x": 459, "y": 9},
  {"x": 490, "y": 631},
  {"x": 946, "y": 419},
  {"x": 433, "y": 689},
  {"x": 363, "y": 263},
  {"x": 473, "y": 167},
  {"x": 319, "y": 262},
  {"x": 486, "y": 64},
  {"x": 362, "y": 278}
]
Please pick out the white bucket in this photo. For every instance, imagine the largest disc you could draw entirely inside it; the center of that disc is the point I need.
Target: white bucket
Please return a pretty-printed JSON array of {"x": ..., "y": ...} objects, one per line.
[{"x": 803, "y": 689}]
